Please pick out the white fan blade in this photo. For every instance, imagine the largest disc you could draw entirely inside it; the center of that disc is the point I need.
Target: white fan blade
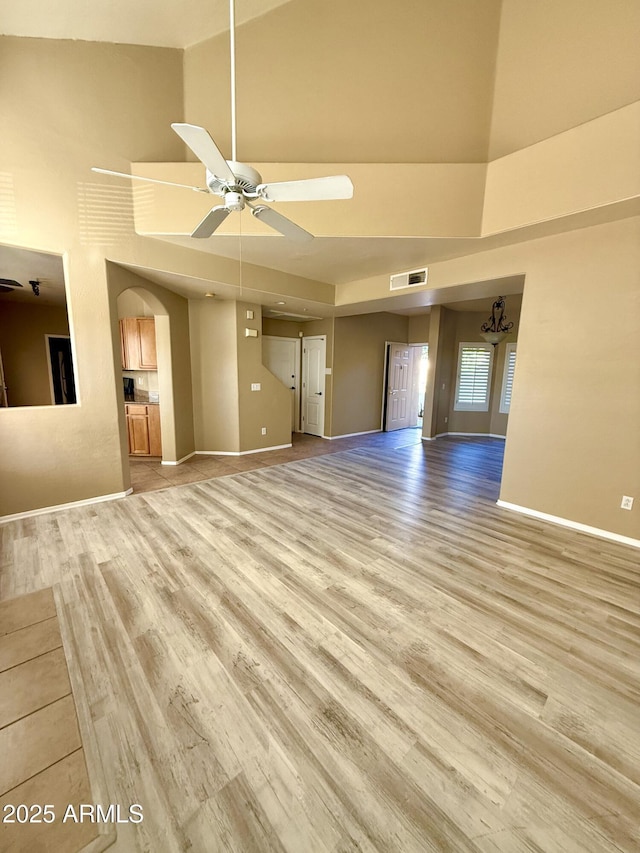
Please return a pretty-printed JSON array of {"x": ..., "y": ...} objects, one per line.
[
  {"x": 312, "y": 189},
  {"x": 212, "y": 220},
  {"x": 149, "y": 180},
  {"x": 205, "y": 149},
  {"x": 281, "y": 223}
]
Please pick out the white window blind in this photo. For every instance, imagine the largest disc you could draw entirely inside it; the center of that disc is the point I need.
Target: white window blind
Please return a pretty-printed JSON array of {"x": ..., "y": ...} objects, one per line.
[
  {"x": 507, "y": 378},
  {"x": 473, "y": 382}
]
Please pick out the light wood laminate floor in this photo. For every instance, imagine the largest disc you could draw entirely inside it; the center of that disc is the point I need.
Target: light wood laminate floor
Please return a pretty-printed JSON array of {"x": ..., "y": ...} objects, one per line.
[
  {"x": 148, "y": 474},
  {"x": 353, "y": 652}
]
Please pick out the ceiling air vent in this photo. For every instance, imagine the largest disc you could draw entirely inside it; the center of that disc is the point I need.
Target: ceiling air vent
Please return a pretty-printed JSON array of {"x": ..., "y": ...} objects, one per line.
[{"x": 408, "y": 279}]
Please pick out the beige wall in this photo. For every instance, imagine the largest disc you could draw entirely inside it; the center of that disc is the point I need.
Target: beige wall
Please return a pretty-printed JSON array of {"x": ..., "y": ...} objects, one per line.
[
  {"x": 131, "y": 304},
  {"x": 228, "y": 415},
  {"x": 439, "y": 393},
  {"x": 270, "y": 407},
  {"x": 573, "y": 442},
  {"x": 586, "y": 168},
  {"x": 573, "y": 446},
  {"x": 405, "y": 82},
  {"x": 358, "y": 371},
  {"x": 70, "y": 106},
  {"x": 281, "y": 328},
  {"x": 214, "y": 359},
  {"x": 561, "y": 64},
  {"x": 23, "y": 348},
  {"x": 419, "y": 328}
]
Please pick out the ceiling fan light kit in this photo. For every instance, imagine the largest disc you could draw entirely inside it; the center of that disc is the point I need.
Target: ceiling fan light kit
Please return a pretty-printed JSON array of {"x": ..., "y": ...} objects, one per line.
[{"x": 237, "y": 184}]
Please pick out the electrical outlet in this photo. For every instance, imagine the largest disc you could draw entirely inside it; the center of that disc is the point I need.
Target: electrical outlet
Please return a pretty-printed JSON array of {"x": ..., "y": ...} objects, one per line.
[
  {"x": 627, "y": 502},
  {"x": 264, "y": 430},
  {"x": 256, "y": 386}
]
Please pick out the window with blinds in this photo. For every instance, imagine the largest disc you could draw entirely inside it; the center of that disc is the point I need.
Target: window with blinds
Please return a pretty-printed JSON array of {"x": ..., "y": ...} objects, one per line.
[
  {"x": 473, "y": 381},
  {"x": 507, "y": 378}
]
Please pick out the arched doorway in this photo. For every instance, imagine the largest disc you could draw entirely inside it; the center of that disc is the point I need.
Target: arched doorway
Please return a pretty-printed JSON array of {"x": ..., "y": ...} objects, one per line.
[{"x": 150, "y": 328}]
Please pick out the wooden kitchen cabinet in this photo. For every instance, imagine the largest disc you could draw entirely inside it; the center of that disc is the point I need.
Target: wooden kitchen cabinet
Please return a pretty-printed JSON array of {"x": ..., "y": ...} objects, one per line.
[
  {"x": 143, "y": 429},
  {"x": 138, "y": 342},
  {"x": 155, "y": 438}
]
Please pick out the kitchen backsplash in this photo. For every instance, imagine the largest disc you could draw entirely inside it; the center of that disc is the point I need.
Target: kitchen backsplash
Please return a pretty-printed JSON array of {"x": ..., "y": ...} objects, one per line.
[{"x": 145, "y": 383}]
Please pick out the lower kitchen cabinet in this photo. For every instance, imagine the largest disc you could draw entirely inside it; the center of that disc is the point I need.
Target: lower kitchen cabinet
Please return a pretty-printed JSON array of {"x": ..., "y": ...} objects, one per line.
[{"x": 143, "y": 429}]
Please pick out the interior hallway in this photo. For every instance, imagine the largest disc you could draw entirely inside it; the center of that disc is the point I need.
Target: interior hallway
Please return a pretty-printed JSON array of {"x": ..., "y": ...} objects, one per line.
[{"x": 149, "y": 475}]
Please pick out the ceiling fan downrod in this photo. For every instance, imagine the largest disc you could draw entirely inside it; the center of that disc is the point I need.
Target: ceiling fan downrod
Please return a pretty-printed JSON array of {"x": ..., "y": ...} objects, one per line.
[
  {"x": 238, "y": 183},
  {"x": 232, "y": 53}
]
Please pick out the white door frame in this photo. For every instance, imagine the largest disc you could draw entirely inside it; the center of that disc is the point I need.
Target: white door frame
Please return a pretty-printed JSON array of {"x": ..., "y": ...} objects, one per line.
[
  {"x": 414, "y": 376},
  {"x": 4, "y": 396},
  {"x": 47, "y": 338}
]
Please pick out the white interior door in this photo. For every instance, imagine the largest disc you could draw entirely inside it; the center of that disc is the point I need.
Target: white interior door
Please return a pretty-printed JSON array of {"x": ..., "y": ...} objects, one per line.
[
  {"x": 399, "y": 384},
  {"x": 313, "y": 384},
  {"x": 282, "y": 357}
]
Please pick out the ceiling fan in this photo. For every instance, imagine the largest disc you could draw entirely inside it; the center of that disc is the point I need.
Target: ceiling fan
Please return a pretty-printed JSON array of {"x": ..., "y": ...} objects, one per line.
[{"x": 240, "y": 185}]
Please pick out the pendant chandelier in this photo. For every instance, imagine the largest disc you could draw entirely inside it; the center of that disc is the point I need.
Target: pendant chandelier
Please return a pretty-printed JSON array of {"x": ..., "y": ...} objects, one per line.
[{"x": 496, "y": 328}]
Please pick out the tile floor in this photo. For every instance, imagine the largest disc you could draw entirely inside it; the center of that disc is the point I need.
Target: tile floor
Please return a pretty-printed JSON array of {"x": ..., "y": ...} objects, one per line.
[
  {"x": 149, "y": 474},
  {"x": 43, "y": 760}
]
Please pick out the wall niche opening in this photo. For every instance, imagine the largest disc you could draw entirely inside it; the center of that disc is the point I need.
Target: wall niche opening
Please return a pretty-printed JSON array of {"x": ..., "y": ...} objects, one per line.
[{"x": 36, "y": 360}]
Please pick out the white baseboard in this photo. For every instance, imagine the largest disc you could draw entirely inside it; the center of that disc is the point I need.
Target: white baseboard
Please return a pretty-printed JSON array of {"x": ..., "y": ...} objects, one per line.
[
  {"x": 45, "y": 509},
  {"x": 477, "y": 434},
  {"x": 241, "y": 452},
  {"x": 351, "y": 434},
  {"x": 180, "y": 461},
  {"x": 574, "y": 525},
  {"x": 463, "y": 435}
]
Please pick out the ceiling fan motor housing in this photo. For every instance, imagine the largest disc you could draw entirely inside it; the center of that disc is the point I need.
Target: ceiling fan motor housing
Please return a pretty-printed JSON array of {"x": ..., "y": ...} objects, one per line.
[
  {"x": 233, "y": 200},
  {"x": 247, "y": 179}
]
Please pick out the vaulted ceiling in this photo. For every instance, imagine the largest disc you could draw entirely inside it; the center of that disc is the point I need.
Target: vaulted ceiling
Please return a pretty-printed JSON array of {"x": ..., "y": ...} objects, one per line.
[{"x": 162, "y": 23}]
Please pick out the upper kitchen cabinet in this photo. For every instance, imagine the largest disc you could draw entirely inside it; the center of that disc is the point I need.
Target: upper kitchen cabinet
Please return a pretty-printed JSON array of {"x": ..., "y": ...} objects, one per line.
[{"x": 138, "y": 337}]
